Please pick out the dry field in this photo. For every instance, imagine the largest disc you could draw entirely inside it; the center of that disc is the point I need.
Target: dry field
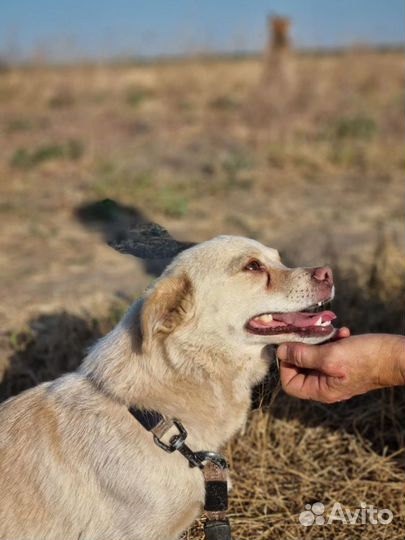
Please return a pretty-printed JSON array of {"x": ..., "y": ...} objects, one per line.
[{"x": 311, "y": 163}]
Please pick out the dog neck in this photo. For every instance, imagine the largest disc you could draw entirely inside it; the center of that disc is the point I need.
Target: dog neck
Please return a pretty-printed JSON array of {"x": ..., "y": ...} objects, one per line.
[{"x": 212, "y": 408}]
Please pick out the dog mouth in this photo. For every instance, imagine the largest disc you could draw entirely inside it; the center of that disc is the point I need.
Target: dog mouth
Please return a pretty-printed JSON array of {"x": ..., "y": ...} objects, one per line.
[{"x": 311, "y": 322}]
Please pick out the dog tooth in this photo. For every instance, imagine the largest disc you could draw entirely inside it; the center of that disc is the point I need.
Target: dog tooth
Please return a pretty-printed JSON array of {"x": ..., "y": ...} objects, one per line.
[
  {"x": 319, "y": 303},
  {"x": 266, "y": 318},
  {"x": 318, "y": 322}
]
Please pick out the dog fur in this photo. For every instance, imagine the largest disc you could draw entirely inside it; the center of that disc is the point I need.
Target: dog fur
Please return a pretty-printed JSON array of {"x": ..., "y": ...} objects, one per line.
[{"x": 75, "y": 464}]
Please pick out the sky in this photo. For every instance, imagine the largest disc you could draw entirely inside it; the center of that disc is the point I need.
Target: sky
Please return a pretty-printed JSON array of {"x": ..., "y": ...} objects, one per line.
[{"x": 103, "y": 29}]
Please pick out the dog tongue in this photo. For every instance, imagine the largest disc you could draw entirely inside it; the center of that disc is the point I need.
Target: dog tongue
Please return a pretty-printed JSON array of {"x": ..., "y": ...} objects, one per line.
[
  {"x": 302, "y": 320},
  {"x": 296, "y": 319}
]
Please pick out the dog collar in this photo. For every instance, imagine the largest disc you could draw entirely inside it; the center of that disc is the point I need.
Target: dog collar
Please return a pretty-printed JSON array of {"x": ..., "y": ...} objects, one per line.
[
  {"x": 148, "y": 419},
  {"x": 213, "y": 465}
]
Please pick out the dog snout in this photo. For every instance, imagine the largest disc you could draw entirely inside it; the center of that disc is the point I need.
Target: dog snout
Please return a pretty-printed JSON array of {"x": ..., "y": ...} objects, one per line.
[{"x": 323, "y": 275}]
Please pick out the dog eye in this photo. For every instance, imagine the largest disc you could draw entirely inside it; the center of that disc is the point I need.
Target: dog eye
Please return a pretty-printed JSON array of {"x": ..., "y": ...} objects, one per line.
[{"x": 254, "y": 266}]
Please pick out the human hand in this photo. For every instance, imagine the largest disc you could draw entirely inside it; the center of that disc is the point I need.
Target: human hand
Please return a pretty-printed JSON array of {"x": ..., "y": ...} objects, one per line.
[{"x": 344, "y": 368}]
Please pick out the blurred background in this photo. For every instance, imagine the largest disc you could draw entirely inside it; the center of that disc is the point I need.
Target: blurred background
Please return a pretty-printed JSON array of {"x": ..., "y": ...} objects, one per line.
[{"x": 278, "y": 120}]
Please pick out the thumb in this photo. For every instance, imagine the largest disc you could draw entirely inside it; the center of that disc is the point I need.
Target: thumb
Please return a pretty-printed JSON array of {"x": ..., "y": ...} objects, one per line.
[{"x": 301, "y": 355}]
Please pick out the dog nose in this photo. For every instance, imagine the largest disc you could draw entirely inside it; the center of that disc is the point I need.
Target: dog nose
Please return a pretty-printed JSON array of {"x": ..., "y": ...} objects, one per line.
[{"x": 323, "y": 274}]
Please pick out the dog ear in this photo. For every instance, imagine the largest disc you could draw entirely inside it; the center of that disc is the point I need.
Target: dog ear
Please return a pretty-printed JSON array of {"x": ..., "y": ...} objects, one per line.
[{"x": 167, "y": 307}]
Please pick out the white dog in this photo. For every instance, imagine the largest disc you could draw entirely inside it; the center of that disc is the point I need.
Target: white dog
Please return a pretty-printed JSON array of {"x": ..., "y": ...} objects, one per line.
[{"x": 75, "y": 464}]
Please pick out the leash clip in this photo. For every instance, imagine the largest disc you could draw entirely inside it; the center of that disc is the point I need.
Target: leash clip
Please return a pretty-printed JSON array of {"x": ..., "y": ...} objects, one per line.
[
  {"x": 176, "y": 441},
  {"x": 213, "y": 457}
]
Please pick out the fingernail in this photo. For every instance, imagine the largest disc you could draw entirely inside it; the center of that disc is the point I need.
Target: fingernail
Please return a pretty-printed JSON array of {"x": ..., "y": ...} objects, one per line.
[{"x": 282, "y": 352}]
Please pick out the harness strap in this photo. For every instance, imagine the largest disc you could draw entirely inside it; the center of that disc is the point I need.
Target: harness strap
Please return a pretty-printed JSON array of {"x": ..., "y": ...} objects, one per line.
[{"x": 214, "y": 468}]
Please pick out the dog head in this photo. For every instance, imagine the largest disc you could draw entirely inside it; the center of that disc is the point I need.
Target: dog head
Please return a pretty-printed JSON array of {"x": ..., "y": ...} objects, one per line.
[{"x": 234, "y": 295}]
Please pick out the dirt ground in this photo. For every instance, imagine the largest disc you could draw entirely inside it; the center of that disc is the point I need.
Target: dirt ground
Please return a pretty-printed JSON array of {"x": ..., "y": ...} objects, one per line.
[{"x": 311, "y": 164}]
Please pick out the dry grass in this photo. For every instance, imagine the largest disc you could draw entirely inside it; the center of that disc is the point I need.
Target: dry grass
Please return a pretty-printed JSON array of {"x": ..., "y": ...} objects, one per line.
[{"x": 209, "y": 147}]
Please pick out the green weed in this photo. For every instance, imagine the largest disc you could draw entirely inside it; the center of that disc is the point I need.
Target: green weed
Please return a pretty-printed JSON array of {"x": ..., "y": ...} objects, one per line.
[
  {"x": 348, "y": 155},
  {"x": 171, "y": 203},
  {"x": 355, "y": 127},
  {"x": 224, "y": 103},
  {"x": 19, "y": 124},
  {"x": 26, "y": 159},
  {"x": 136, "y": 95}
]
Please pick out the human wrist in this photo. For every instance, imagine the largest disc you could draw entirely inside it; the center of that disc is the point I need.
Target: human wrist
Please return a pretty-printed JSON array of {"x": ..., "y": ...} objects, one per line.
[
  {"x": 392, "y": 356},
  {"x": 399, "y": 353}
]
